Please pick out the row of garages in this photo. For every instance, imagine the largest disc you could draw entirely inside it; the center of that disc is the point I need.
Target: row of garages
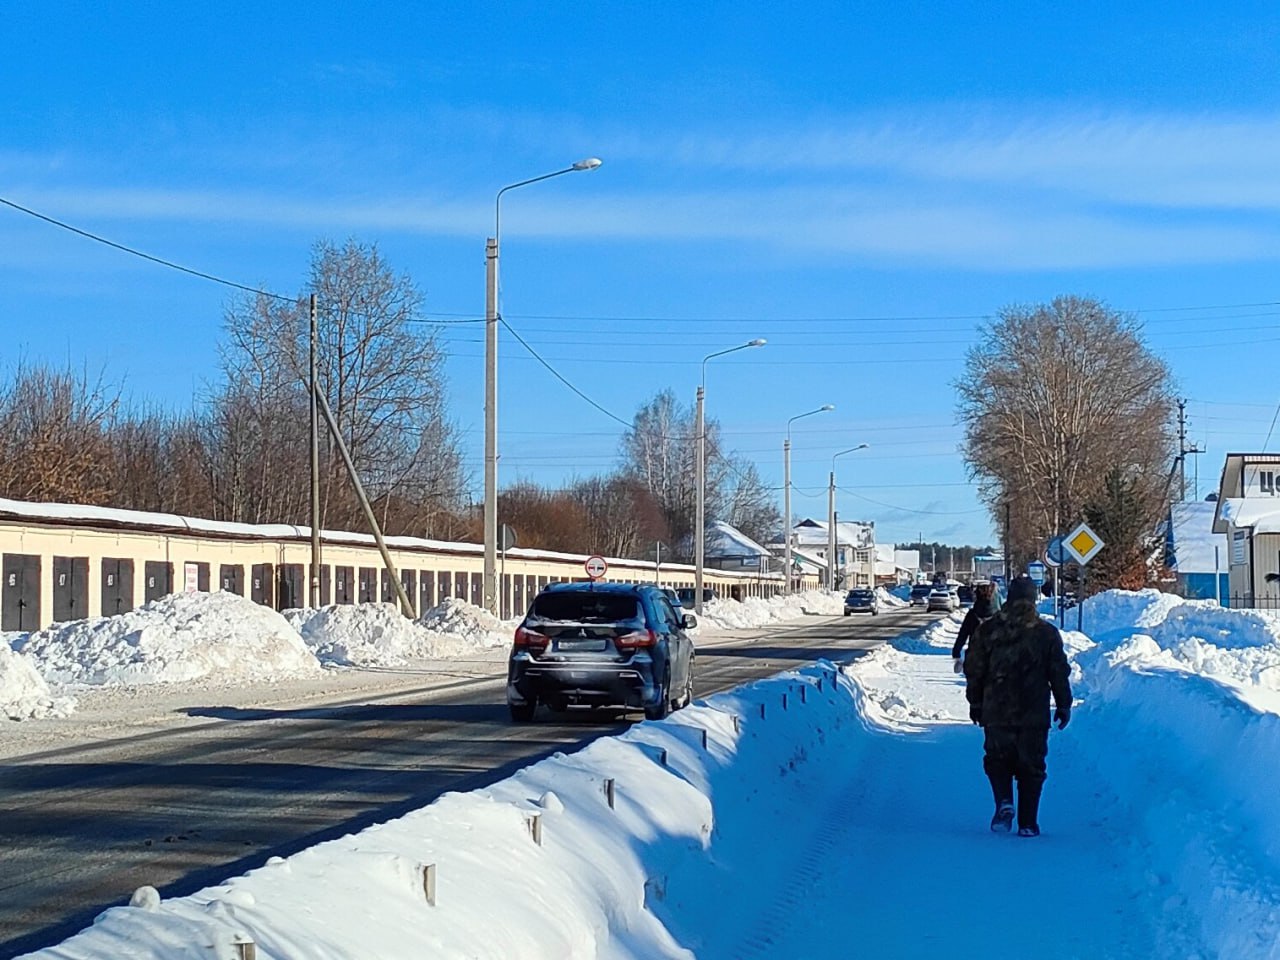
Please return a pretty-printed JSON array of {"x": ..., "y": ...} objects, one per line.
[{"x": 106, "y": 562}]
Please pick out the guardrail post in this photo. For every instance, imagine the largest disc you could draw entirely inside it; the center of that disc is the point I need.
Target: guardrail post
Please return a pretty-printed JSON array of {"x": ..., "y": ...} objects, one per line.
[
  {"x": 804, "y": 693},
  {"x": 737, "y": 724},
  {"x": 609, "y": 791},
  {"x": 535, "y": 828},
  {"x": 429, "y": 883},
  {"x": 662, "y": 756},
  {"x": 762, "y": 711},
  {"x": 784, "y": 701},
  {"x": 246, "y": 949},
  {"x": 704, "y": 739}
]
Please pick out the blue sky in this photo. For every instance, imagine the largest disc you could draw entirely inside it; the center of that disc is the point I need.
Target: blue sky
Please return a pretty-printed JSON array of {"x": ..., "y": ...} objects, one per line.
[{"x": 855, "y": 182}]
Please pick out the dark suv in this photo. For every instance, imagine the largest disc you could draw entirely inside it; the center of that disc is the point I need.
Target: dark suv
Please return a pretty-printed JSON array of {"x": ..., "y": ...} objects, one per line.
[{"x": 601, "y": 645}]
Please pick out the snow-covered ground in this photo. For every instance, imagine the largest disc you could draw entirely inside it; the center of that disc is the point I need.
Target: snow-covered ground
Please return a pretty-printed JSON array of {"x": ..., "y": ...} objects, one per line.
[{"x": 822, "y": 814}]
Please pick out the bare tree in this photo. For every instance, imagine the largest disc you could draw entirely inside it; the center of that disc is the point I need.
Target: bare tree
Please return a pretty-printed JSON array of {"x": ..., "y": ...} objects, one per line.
[
  {"x": 54, "y": 436},
  {"x": 659, "y": 452},
  {"x": 382, "y": 376},
  {"x": 1056, "y": 397}
]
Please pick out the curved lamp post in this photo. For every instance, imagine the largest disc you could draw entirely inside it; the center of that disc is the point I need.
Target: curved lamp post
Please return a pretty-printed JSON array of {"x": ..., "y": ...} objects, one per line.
[
  {"x": 490, "y": 588},
  {"x": 700, "y": 520},
  {"x": 832, "y": 541},
  {"x": 786, "y": 487}
]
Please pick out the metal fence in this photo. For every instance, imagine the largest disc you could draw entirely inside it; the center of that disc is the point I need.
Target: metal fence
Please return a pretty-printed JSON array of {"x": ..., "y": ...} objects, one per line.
[{"x": 1250, "y": 602}]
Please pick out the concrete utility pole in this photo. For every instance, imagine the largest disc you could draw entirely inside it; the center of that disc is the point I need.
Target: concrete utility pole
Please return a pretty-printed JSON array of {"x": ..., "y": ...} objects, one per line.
[
  {"x": 1183, "y": 450},
  {"x": 833, "y": 541},
  {"x": 314, "y": 593},
  {"x": 786, "y": 487},
  {"x": 491, "y": 318},
  {"x": 700, "y": 442}
]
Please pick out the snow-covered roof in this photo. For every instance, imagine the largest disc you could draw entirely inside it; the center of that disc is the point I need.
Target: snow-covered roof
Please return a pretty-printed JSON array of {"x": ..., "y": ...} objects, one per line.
[
  {"x": 1260, "y": 513},
  {"x": 808, "y": 559},
  {"x": 113, "y": 518},
  {"x": 725, "y": 540},
  {"x": 814, "y": 533},
  {"x": 1193, "y": 540}
]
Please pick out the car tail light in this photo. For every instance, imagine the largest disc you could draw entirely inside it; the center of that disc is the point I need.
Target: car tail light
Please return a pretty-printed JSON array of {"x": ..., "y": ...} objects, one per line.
[
  {"x": 636, "y": 638},
  {"x": 530, "y": 639}
]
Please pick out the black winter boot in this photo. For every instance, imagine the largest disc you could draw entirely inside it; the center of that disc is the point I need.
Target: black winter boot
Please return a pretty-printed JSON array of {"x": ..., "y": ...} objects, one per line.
[
  {"x": 1029, "y": 807},
  {"x": 1002, "y": 821}
]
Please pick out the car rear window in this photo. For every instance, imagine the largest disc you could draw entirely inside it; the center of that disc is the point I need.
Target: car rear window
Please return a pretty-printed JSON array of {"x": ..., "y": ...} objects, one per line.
[
  {"x": 585, "y": 607},
  {"x": 920, "y": 591}
]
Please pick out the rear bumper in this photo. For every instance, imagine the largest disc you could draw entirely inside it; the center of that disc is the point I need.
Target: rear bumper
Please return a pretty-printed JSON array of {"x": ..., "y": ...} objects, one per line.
[
  {"x": 628, "y": 684},
  {"x": 861, "y": 609}
]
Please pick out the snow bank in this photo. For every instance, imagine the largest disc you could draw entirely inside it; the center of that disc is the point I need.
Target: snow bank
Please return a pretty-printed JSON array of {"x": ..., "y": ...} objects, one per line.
[
  {"x": 757, "y": 612},
  {"x": 24, "y": 694},
  {"x": 376, "y": 634},
  {"x": 219, "y": 637},
  {"x": 889, "y": 600},
  {"x": 1152, "y": 630},
  {"x": 466, "y": 626},
  {"x": 602, "y": 883}
]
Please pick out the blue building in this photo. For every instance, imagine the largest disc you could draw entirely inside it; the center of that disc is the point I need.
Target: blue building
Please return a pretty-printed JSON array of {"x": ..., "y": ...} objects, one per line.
[{"x": 1195, "y": 553}]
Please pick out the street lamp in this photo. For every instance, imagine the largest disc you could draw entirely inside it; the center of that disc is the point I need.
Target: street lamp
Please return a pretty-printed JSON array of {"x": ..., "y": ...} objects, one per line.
[
  {"x": 786, "y": 487},
  {"x": 832, "y": 542},
  {"x": 700, "y": 520},
  {"x": 490, "y": 589}
]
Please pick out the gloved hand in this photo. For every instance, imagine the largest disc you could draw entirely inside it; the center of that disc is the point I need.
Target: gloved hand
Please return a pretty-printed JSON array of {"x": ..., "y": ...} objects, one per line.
[
  {"x": 1063, "y": 716},
  {"x": 958, "y": 665},
  {"x": 975, "y": 713}
]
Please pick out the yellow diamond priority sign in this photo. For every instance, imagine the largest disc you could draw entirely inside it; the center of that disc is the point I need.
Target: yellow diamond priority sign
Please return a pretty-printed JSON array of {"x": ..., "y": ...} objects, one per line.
[{"x": 1083, "y": 544}]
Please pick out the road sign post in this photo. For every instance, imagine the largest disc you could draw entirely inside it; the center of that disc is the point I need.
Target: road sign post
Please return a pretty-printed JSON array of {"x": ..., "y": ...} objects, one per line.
[
  {"x": 1036, "y": 570},
  {"x": 596, "y": 567},
  {"x": 1082, "y": 544}
]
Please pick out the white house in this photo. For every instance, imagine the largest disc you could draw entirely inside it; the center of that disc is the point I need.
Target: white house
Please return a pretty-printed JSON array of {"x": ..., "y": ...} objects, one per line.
[
  {"x": 1248, "y": 513},
  {"x": 855, "y": 548}
]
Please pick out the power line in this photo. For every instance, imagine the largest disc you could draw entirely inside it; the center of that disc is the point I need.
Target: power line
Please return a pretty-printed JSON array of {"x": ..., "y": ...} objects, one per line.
[
  {"x": 145, "y": 256},
  {"x": 890, "y": 506}
]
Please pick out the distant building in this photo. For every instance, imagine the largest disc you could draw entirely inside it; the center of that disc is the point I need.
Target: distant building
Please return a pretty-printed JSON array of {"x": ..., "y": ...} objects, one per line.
[
  {"x": 907, "y": 563},
  {"x": 988, "y": 566},
  {"x": 1247, "y": 512},
  {"x": 728, "y": 548},
  {"x": 1196, "y": 554},
  {"x": 855, "y": 549}
]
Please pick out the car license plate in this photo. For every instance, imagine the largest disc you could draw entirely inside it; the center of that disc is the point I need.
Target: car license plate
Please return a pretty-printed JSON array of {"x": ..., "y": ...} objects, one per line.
[{"x": 591, "y": 645}]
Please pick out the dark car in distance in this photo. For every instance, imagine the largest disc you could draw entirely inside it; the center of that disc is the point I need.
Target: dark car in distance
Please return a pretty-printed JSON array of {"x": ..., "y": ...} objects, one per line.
[
  {"x": 966, "y": 595},
  {"x": 920, "y": 594},
  {"x": 687, "y": 596},
  {"x": 861, "y": 600},
  {"x": 601, "y": 645}
]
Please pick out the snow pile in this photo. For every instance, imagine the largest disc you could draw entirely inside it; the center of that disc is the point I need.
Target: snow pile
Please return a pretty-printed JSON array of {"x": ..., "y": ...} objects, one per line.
[
  {"x": 463, "y": 627},
  {"x": 24, "y": 695},
  {"x": 757, "y": 612},
  {"x": 218, "y": 637},
  {"x": 1152, "y": 630},
  {"x": 366, "y": 634},
  {"x": 377, "y": 635},
  {"x": 889, "y": 600}
]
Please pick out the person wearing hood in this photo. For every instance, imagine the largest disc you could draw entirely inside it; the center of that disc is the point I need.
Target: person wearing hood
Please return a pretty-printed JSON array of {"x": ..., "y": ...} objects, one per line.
[
  {"x": 1015, "y": 661},
  {"x": 983, "y": 608}
]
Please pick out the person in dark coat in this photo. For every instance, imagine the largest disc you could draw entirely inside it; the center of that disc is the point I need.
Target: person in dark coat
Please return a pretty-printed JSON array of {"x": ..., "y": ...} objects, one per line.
[
  {"x": 1015, "y": 661},
  {"x": 982, "y": 609}
]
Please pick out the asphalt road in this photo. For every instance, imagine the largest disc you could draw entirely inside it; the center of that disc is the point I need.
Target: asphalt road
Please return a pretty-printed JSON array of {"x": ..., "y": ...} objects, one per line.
[{"x": 82, "y": 827}]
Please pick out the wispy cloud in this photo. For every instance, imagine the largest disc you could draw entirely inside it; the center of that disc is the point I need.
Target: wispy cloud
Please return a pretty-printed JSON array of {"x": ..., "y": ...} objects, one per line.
[{"x": 1063, "y": 192}]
